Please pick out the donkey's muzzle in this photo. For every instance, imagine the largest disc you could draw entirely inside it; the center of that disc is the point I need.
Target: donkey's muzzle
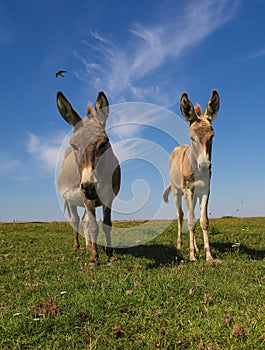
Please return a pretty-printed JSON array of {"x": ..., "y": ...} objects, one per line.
[{"x": 90, "y": 190}]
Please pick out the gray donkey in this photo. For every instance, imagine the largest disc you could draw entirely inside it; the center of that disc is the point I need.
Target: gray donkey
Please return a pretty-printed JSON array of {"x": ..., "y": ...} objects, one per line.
[
  {"x": 90, "y": 174},
  {"x": 190, "y": 169}
]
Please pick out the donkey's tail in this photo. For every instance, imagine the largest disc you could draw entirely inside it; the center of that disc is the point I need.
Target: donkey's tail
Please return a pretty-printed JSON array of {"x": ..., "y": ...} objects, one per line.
[
  {"x": 66, "y": 207},
  {"x": 166, "y": 193}
]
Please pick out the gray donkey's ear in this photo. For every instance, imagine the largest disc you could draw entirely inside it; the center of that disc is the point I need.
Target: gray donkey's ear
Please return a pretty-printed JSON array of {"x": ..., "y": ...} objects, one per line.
[
  {"x": 102, "y": 108},
  {"x": 66, "y": 110}
]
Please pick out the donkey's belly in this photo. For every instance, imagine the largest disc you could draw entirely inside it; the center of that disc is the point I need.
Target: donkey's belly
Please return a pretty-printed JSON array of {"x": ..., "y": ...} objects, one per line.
[{"x": 74, "y": 196}]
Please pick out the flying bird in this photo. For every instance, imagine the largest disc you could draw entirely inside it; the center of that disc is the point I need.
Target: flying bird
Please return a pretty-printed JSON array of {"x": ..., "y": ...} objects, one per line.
[{"x": 60, "y": 73}]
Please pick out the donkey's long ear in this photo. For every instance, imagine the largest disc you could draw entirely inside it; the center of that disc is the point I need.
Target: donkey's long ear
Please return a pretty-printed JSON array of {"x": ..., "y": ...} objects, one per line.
[
  {"x": 66, "y": 110},
  {"x": 102, "y": 108},
  {"x": 213, "y": 106},
  {"x": 187, "y": 109}
]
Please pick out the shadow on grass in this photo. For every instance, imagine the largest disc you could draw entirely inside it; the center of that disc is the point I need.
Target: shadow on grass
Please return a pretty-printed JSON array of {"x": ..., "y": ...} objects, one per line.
[
  {"x": 226, "y": 247},
  {"x": 165, "y": 255},
  {"x": 160, "y": 254}
]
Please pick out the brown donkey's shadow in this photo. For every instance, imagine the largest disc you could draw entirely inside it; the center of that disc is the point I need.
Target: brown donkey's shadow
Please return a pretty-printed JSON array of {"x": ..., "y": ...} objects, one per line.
[{"x": 158, "y": 254}]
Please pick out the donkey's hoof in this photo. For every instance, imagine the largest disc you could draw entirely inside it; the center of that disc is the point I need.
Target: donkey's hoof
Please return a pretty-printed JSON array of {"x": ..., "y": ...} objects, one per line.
[
  {"x": 93, "y": 264},
  {"x": 214, "y": 261},
  {"x": 112, "y": 258},
  {"x": 193, "y": 259},
  {"x": 209, "y": 257}
]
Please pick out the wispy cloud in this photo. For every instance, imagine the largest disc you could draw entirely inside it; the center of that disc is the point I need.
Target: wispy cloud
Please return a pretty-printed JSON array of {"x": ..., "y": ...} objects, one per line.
[
  {"x": 44, "y": 153},
  {"x": 120, "y": 69},
  {"x": 132, "y": 149},
  {"x": 44, "y": 150},
  {"x": 130, "y": 126},
  {"x": 134, "y": 70},
  {"x": 254, "y": 55}
]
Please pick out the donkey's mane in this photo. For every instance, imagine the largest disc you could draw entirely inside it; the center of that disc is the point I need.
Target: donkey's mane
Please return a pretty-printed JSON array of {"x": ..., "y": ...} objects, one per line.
[
  {"x": 198, "y": 110},
  {"x": 90, "y": 109}
]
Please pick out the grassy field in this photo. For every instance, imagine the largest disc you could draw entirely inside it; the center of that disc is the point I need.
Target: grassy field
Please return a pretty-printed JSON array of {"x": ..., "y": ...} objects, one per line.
[{"x": 50, "y": 299}]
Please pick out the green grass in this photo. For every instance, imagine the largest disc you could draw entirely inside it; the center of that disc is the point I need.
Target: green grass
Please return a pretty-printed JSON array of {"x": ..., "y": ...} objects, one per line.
[{"x": 144, "y": 300}]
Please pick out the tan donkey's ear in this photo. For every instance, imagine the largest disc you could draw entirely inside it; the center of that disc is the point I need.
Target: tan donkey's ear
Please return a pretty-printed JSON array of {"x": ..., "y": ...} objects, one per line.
[
  {"x": 102, "y": 108},
  {"x": 213, "y": 106},
  {"x": 187, "y": 109},
  {"x": 66, "y": 110}
]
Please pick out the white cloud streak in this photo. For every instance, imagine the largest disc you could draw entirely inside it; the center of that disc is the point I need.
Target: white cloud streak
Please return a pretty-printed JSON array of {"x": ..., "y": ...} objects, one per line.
[
  {"x": 254, "y": 55},
  {"x": 119, "y": 69},
  {"x": 44, "y": 150},
  {"x": 125, "y": 71}
]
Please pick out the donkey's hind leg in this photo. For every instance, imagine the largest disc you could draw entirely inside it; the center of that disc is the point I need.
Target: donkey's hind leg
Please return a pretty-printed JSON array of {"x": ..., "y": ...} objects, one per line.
[
  {"x": 107, "y": 226},
  {"x": 195, "y": 244},
  {"x": 75, "y": 223},
  {"x": 178, "y": 200},
  {"x": 204, "y": 221}
]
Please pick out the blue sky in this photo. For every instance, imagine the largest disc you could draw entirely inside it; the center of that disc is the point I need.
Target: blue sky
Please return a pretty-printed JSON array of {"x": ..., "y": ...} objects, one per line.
[{"x": 136, "y": 51}]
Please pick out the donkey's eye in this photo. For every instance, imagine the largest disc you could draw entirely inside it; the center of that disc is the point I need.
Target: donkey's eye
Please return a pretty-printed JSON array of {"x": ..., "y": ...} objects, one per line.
[
  {"x": 102, "y": 146},
  {"x": 74, "y": 147}
]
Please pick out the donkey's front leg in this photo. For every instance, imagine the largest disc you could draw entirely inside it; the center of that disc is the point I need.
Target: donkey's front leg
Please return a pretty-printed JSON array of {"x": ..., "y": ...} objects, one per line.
[
  {"x": 204, "y": 221},
  {"x": 86, "y": 232},
  {"x": 91, "y": 233},
  {"x": 190, "y": 203},
  {"x": 107, "y": 226}
]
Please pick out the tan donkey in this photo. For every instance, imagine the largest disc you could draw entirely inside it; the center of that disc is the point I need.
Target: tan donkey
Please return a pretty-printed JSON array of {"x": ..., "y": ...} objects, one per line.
[
  {"x": 190, "y": 169},
  {"x": 90, "y": 174}
]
